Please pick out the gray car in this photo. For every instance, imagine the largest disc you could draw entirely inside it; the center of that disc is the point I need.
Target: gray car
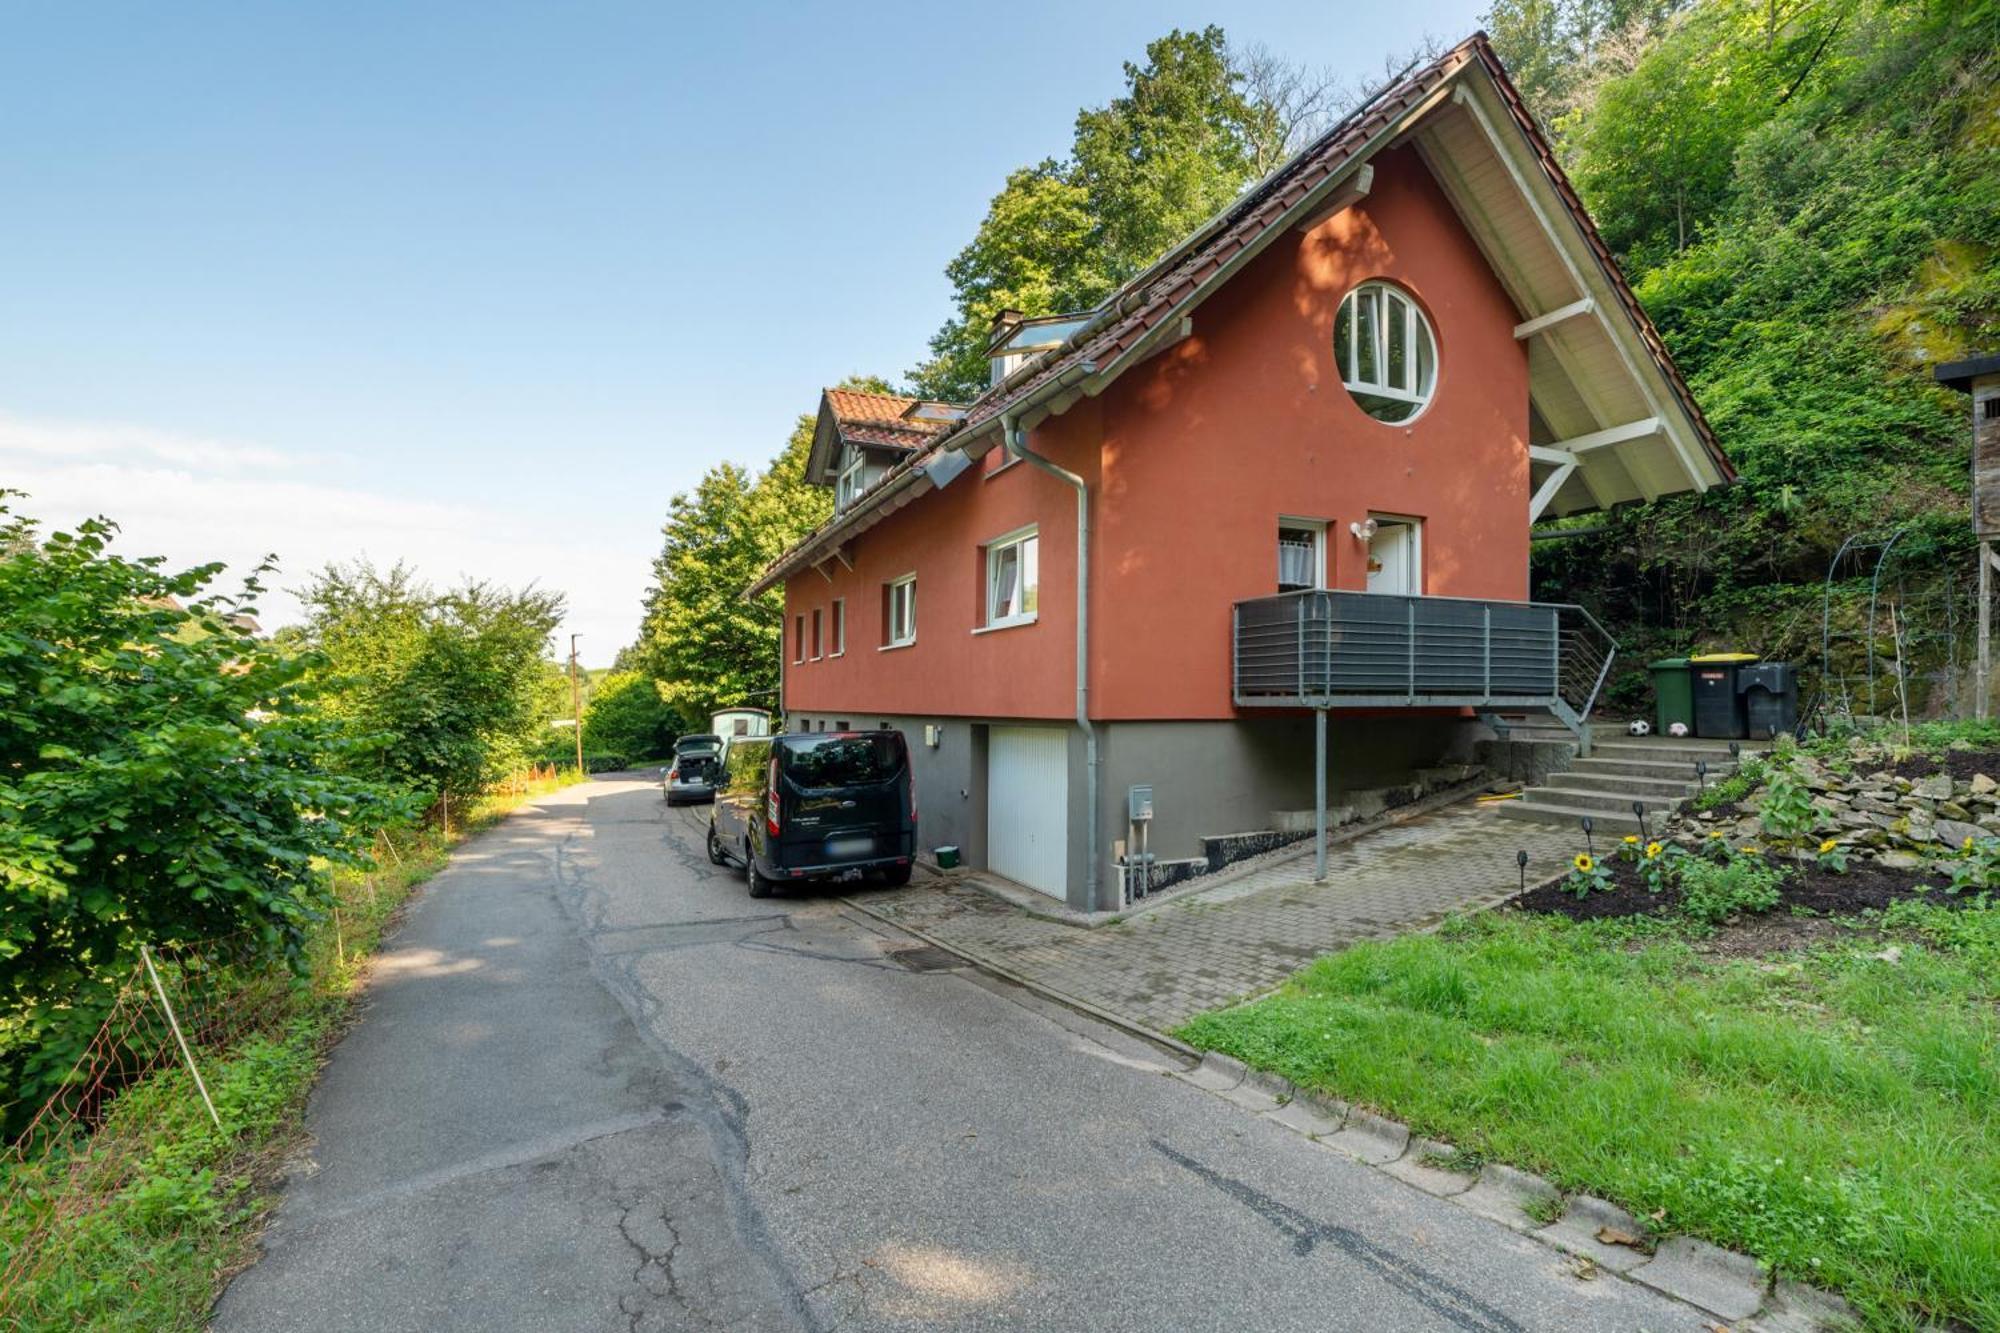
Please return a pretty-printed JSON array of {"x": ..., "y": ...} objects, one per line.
[{"x": 697, "y": 766}]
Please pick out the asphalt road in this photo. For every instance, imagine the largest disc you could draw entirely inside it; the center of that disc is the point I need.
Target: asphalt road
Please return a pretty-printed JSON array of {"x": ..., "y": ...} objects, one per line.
[{"x": 598, "y": 1087}]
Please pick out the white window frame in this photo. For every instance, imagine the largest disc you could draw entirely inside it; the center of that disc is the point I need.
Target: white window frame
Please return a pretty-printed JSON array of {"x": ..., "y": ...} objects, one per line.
[
  {"x": 1416, "y": 322},
  {"x": 852, "y": 479},
  {"x": 896, "y": 591},
  {"x": 1016, "y": 541},
  {"x": 836, "y": 629},
  {"x": 1317, "y": 527}
]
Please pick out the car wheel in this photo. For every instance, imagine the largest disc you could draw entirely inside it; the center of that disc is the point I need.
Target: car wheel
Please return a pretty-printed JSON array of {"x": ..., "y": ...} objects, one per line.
[
  {"x": 759, "y": 886},
  {"x": 896, "y": 876},
  {"x": 715, "y": 853}
]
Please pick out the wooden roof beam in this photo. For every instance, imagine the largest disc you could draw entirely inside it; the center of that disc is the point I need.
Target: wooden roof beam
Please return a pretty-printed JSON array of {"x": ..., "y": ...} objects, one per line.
[{"x": 1528, "y": 329}]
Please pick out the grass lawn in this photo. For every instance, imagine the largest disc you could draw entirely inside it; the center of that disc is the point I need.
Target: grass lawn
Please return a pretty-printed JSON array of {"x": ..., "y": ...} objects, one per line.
[{"x": 1835, "y": 1111}]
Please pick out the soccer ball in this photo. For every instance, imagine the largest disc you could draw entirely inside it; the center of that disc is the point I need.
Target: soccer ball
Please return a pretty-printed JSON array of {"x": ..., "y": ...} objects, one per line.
[
  {"x": 1677, "y": 729},
  {"x": 1639, "y": 728}
]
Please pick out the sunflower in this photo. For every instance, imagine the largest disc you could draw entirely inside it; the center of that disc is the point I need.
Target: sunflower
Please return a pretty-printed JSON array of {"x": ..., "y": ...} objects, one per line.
[
  {"x": 1827, "y": 846},
  {"x": 1966, "y": 846},
  {"x": 1631, "y": 840},
  {"x": 1715, "y": 833},
  {"x": 1584, "y": 863},
  {"x": 1653, "y": 849}
]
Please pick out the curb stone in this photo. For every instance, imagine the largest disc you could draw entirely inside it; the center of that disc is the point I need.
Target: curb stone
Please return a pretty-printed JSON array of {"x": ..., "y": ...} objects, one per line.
[
  {"x": 1215, "y": 1073},
  {"x": 1411, "y": 1168},
  {"x": 1503, "y": 1194},
  {"x": 1576, "y": 1231},
  {"x": 1258, "y": 1092},
  {"x": 1798, "y": 1308},
  {"x": 1332, "y": 1108},
  {"x": 1371, "y": 1138},
  {"x": 1731, "y": 1285},
  {"x": 1301, "y": 1116},
  {"x": 1278, "y": 1086}
]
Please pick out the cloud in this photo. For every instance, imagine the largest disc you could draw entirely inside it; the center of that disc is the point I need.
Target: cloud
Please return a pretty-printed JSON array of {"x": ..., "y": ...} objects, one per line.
[{"x": 194, "y": 501}]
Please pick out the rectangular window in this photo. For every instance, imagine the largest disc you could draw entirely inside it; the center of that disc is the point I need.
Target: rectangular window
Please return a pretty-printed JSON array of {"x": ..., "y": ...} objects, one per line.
[
  {"x": 899, "y": 612},
  {"x": 798, "y": 639},
  {"x": 1013, "y": 576},
  {"x": 816, "y": 635},
  {"x": 837, "y": 630},
  {"x": 1299, "y": 555}
]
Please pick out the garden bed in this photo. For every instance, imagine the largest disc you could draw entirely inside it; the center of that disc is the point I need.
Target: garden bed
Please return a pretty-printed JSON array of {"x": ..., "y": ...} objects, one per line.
[{"x": 1865, "y": 886}]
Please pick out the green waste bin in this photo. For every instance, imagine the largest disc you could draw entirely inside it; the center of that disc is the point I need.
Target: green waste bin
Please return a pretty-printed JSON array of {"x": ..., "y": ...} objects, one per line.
[{"x": 1673, "y": 694}]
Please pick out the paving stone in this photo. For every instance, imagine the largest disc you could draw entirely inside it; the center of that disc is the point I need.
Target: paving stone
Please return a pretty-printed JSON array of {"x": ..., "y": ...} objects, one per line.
[
  {"x": 1217, "y": 1073},
  {"x": 1717, "y": 1280},
  {"x": 1371, "y": 1138},
  {"x": 1797, "y": 1308},
  {"x": 1413, "y": 1167},
  {"x": 1576, "y": 1231},
  {"x": 1504, "y": 1194},
  {"x": 1300, "y": 1117}
]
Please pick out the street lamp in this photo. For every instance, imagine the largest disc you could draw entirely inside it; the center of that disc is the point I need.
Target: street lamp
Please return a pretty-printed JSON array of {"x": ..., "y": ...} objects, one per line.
[{"x": 576, "y": 705}]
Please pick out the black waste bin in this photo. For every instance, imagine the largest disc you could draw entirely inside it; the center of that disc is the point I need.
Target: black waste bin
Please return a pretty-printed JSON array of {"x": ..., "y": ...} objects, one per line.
[
  {"x": 1770, "y": 698},
  {"x": 1718, "y": 703}
]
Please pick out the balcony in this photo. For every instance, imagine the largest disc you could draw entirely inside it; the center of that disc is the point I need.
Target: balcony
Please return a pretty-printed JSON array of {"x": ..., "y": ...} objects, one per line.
[{"x": 1324, "y": 649}]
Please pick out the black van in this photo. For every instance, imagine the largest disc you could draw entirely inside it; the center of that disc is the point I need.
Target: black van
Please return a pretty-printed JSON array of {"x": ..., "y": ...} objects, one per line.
[{"x": 813, "y": 805}]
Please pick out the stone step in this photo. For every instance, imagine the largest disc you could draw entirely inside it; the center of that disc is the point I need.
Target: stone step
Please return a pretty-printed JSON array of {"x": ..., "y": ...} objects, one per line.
[
  {"x": 1677, "y": 771},
  {"x": 1558, "y": 792},
  {"x": 1607, "y": 824},
  {"x": 1648, "y": 789},
  {"x": 1659, "y": 750}
]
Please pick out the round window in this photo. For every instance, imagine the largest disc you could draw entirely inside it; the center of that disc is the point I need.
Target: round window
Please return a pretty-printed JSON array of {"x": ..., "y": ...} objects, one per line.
[{"x": 1383, "y": 346}]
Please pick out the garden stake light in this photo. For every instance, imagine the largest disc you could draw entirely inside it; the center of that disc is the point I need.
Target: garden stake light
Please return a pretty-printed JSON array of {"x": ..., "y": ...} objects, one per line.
[
  {"x": 1701, "y": 773},
  {"x": 1639, "y": 813},
  {"x": 1521, "y": 860},
  {"x": 1589, "y": 846}
]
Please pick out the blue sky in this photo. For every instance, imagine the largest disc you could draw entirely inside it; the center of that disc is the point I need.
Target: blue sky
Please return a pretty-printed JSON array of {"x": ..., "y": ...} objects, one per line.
[{"x": 482, "y": 285}]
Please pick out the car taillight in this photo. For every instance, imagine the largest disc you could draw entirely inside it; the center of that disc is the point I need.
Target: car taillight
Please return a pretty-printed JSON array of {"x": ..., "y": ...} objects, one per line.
[
  {"x": 771, "y": 801},
  {"x": 673, "y": 775},
  {"x": 913, "y": 801}
]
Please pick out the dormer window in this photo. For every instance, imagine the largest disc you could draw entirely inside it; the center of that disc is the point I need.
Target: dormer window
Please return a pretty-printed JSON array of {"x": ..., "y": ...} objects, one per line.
[
  {"x": 857, "y": 473},
  {"x": 1386, "y": 354}
]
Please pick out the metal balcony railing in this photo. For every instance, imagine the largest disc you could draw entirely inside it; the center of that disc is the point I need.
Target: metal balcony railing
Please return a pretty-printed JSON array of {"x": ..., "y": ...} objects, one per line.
[{"x": 1365, "y": 650}]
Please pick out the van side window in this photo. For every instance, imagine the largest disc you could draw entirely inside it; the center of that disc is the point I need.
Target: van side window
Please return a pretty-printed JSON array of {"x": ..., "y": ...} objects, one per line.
[{"x": 746, "y": 768}]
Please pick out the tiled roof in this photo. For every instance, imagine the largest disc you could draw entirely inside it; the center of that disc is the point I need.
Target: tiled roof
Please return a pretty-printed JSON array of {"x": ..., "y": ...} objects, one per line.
[
  {"x": 880, "y": 419},
  {"x": 1148, "y": 300}
]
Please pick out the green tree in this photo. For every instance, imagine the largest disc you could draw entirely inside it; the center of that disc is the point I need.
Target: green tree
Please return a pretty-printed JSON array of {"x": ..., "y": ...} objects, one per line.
[
  {"x": 628, "y": 718},
  {"x": 1195, "y": 124},
  {"x": 164, "y": 777},
  {"x": 444, "y": 692},
  {"x": 705, "y": 645}
]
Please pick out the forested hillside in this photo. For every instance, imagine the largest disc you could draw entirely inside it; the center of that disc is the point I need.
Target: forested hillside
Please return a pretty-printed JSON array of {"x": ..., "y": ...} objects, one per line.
[{"x": 1806, "y": 197}]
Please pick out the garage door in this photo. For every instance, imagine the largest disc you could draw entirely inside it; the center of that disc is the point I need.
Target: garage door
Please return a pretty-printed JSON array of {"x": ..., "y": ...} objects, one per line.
[{"x": 1027, "y": 806}]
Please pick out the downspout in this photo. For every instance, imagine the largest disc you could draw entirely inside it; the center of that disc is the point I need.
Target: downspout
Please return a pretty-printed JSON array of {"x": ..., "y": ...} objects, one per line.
[{"x": 1016, "y": 443}]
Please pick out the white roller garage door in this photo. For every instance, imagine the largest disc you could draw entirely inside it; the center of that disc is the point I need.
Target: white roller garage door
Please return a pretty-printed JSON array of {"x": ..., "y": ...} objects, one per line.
[{"x": 1027, "y": 806}]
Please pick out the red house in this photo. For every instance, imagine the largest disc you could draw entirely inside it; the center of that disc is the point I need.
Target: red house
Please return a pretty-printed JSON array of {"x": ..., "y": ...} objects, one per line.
[{"x": 1257, "y": 524}]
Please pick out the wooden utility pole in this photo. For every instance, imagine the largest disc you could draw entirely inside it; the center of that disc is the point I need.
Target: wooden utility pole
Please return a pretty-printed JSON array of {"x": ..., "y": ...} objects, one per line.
[
  {"x": 576, "y": 704},
  {"x": 1979, "y": 378}
]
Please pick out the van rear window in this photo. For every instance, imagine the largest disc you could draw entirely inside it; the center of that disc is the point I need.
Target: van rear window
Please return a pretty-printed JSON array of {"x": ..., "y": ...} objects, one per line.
[{"x": 844, "y": 761}]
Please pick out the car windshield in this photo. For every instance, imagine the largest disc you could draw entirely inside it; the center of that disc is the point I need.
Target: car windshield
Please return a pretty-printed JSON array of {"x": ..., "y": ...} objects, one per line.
[{"x": 844, "y": 761}]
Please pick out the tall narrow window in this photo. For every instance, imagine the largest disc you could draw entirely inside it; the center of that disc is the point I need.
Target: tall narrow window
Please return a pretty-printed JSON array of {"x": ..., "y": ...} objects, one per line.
[
  {"x": 1013, "y": 576},
  {"x": 1383, "y": 346},
  {"x": 837, "y": 628},
  {"x": 798, "y": 639},
  {"x": 1299, "y": 555},
  {"x": 899, "y": 612},
  {"x": 816, "y": 632}
]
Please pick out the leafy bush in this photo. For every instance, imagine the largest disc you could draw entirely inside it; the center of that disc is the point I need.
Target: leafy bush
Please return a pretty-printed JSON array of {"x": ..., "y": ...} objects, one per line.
[
  {"x": 164, "y": 776},
  {"x": 627, "y": 716},
  {"x": 441, "y": 692},
  {"x": 1713, "y": 891}
]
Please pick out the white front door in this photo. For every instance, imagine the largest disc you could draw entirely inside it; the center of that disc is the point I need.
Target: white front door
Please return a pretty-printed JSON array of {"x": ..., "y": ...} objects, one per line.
[
  {"x": 1395, "y": 557},
  {"x": 1027, "y": 806}
]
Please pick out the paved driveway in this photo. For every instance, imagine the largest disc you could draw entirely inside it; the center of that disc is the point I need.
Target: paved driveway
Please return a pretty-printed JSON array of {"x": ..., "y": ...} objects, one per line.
[
  {"x": 1219, "y": 943},
  {"x": 598, "y": 1087}
]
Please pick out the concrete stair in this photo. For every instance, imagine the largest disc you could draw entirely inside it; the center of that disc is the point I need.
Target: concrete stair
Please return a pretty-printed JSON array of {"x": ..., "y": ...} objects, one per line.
[{"x": 1656, "y": 772}]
